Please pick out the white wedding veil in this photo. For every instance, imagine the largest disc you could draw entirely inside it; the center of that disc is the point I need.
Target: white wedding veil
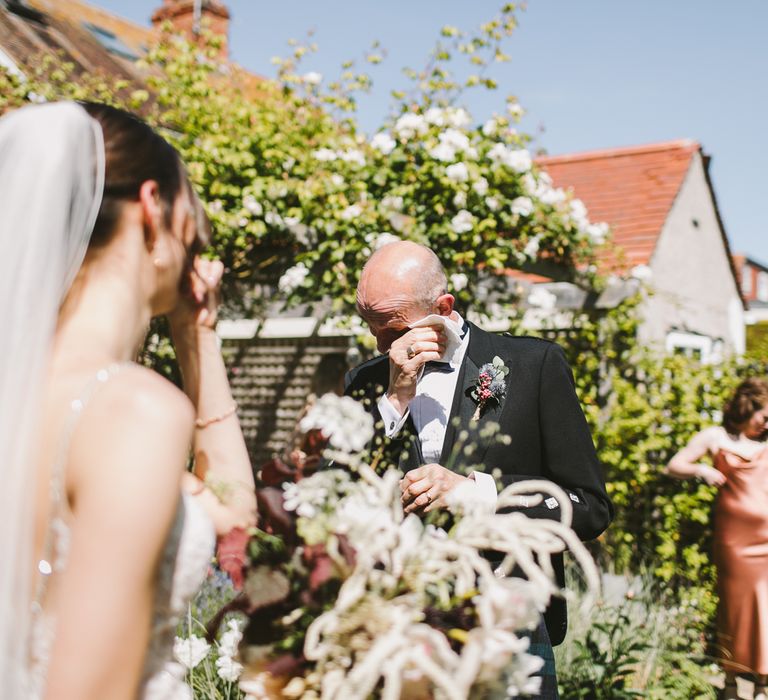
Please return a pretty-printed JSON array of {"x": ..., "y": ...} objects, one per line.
[{"x": 51, "y": 184}]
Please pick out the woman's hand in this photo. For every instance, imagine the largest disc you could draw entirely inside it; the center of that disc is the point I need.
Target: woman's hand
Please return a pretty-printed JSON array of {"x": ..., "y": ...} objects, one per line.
[
  {"x": 198, "y": 306},
  {"x": 711, "y": 475}
]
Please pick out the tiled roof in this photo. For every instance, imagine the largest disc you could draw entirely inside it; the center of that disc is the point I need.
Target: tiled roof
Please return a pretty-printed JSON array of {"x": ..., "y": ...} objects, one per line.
[{"x": 632, "y": 189}]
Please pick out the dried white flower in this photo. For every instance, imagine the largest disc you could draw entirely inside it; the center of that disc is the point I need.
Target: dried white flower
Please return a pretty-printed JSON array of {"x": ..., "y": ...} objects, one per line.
[
  {"x": 190, "y": 651},
  {"x": 342, "y": 420}
]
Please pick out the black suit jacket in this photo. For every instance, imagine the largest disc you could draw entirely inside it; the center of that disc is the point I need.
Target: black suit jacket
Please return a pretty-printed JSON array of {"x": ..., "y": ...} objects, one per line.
[{"x": 549, "y": 436}]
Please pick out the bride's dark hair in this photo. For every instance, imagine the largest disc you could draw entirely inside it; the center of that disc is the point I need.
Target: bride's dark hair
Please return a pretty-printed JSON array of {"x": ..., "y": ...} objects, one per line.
[
  {"x": 134, "y": 153},
  {"x": 750, "y": 396}
]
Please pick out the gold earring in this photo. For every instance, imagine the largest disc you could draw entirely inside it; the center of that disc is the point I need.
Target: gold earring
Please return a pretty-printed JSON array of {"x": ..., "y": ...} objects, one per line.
[{"x": 156, "y": 262}]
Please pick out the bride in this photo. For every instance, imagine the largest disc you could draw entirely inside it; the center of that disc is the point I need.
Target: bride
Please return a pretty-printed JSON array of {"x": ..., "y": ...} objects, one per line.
[{"x": 100, "y": 230}]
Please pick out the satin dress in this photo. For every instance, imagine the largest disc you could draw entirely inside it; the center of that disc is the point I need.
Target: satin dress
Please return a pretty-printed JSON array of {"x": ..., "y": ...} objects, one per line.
[{"x": 741, "y": 556}]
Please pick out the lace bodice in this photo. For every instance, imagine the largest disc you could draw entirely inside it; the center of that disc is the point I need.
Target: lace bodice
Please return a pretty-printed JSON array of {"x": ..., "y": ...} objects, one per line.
[{"x": 184, "y": 562}]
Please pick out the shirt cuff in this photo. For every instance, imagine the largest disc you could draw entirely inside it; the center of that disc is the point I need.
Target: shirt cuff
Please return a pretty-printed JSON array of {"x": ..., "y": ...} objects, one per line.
[
  {"x": 393, "y": 421},
  {"x": 486, "y": 487}
]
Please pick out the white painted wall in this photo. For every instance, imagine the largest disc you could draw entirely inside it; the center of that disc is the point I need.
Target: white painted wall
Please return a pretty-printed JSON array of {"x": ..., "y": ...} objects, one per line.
[{"x": 693, "y": 288}]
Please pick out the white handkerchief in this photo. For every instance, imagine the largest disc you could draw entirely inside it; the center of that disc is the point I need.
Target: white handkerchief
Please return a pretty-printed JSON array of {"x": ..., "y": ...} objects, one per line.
[{"x": 452, "y": 333}]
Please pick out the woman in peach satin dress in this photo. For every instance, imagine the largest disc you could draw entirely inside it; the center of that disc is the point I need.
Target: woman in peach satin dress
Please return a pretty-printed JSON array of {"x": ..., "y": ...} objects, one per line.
[{"x": 740, "y": 472}]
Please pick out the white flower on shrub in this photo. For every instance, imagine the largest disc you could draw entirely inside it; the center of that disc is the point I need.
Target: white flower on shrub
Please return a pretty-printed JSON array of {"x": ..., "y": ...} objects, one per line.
[
  {"x": 400, "y": 222},
  {"x": 597, "y": 233},
  {"x": 492, "y": 203},
  {"x": 457, "y": 172},
  {"x": 463, "y": 222},
  {"x": 342, "y": 420},
  {"x": 515, "y": 110},
  {"x": 353, "y": 155},
  {"x": 215, "y": 206},
  {"x": 529, "y": 183},
  {"x": 578, "y": 212},
  {"x": 324, "y": 154},
  {"x": 252, "y": 205},
  {"x": 409, "y": 125},
  {"x": 351, "y": 212},
  {"x": 491, "y": 127},
  {"x": 190, "y": 651},
  {"x": 641, "y": 272},
  {"x": 292, "y": 278},
  {"x": 381, "y": 239},
  {"x": 392, "y": 203},
  {"x": 522, "y": 206},
  {"x": 459, "y": 281},
  {"x": 383, "y": 142},
  {"x": 435, "y": 115},
  {"x": 460, "y": 200},
  {"x": 542, "y": 298},
  {"x": 458, "y": 118},
  {"x": 532, "y": 247},
  {"x": 337, "y": 180},
  {"x": 517, "y": 159},
  {"x": 443, "y": 152},
  {"x": 274, "y": 219},
  {"x": 455, "y": 139},
  {"x": 551, "y": 195},
  {"x": 313, "y": 78},
  {"x": 480, "y": 186}
]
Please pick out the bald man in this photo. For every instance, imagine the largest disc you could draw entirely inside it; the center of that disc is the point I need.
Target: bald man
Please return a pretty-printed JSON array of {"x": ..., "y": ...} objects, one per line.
[{"x": 419, "y": 392}]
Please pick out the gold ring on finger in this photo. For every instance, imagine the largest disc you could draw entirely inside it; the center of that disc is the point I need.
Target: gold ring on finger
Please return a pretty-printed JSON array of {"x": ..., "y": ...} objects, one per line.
[{"x": 410, "y": 352}]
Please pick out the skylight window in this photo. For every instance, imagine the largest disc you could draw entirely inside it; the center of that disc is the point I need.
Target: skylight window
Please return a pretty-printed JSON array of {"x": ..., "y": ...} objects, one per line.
[{"x": 111, "y": 42}]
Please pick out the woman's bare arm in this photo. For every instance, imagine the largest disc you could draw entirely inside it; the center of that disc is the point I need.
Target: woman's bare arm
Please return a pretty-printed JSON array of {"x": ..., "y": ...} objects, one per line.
[{"x": 686, "y": 465}]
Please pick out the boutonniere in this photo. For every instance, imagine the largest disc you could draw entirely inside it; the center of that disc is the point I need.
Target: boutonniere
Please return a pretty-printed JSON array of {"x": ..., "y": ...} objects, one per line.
[{"x": 491, "y": 385}]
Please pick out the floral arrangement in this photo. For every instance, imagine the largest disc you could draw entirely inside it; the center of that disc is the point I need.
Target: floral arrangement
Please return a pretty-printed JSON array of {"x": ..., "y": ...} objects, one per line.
[
  {"x": 491, "y": 385},
  {"x": 349, "y": 597}
]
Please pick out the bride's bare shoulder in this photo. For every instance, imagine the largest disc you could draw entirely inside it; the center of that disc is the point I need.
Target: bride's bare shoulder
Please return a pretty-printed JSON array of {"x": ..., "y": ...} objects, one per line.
[{"x": 137, "y": 420}]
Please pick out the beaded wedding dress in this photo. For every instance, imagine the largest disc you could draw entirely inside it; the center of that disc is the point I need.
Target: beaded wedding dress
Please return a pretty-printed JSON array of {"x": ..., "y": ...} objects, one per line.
[{"x": 184, "y": 562}]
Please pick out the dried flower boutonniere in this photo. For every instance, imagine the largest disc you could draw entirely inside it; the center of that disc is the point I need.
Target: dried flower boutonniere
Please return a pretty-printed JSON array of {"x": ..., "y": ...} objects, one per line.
[{"x": 491, "y": 385}]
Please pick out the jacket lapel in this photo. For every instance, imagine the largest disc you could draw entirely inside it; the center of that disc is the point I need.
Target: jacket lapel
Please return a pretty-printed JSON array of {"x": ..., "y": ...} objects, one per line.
[{"x": 479, "y": 351}]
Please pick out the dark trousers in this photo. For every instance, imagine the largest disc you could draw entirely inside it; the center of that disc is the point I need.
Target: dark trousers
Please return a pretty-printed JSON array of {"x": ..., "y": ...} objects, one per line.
[{"x": 540, "y": 646}]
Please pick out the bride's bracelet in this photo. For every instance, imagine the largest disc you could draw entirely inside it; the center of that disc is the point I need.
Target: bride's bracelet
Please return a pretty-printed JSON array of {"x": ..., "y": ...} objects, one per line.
[{"x": 201, "y": 423}]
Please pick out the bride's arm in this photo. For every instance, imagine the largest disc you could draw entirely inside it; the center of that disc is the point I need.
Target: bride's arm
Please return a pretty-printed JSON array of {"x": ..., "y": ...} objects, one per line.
[
  {"x": 686, "y": 465},
  {"x": 127, "y": 456},
  {"x": 223, "y": 478}
]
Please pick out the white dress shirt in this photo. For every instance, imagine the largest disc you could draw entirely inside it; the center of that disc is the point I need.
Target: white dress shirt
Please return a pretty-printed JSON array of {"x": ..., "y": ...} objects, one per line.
[{"x": 430, "y": 410}]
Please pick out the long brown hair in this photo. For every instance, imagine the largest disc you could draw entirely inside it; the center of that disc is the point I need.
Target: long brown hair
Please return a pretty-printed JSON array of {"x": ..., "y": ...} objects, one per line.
[
  {"x": 134, "y": 153},
  {"x": 750, "y": 396}
]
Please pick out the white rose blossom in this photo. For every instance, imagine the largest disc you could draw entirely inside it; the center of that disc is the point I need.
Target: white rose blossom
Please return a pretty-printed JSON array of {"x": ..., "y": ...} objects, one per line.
[
  {"x": 460, "y": 200},
  {"x": 515, "y": 110},
  {"x": 378, "y": 240},
  {"x": 324, "y": 155},
  {"x": 252, "y": 205},
  {"x": 313, "y": 78},
  {"x": 409, "y": 125},
  {"x": 353, "y": 211},
  {"x": 597, "y": 233},
  {"x": 463, "y": 222},
  {"x": 457, "y": 172},
  {"x": 459, "y": 281},
  {"x": 353, "y": 155},
  {"x": 480, "y": 186},
  {"x": 443, "y": 152},
  {"x": 522, "y": 206},
  {"x": 191, "y": 651},
  {"x": 292, "y": 278},
  {"x": 492, "y": 203},
  {"x": 383, "y": 143},
  {"x": 517, "y": 159},
  {"x": 491, "y": 127},
  {"x": 274, "y": 219},
  {"x": 458, "y": 118},
  {"x": 435, "y": 115},
  {"x": 532, "y": 247}
]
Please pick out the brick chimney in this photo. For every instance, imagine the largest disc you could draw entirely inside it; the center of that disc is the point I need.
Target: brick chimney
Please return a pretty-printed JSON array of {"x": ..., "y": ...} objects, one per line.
[{"x": 188, "y": 17}]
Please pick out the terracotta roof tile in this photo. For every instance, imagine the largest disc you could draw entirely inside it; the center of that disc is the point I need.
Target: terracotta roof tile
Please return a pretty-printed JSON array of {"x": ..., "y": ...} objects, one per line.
[{"x": 632, "y": 189}]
